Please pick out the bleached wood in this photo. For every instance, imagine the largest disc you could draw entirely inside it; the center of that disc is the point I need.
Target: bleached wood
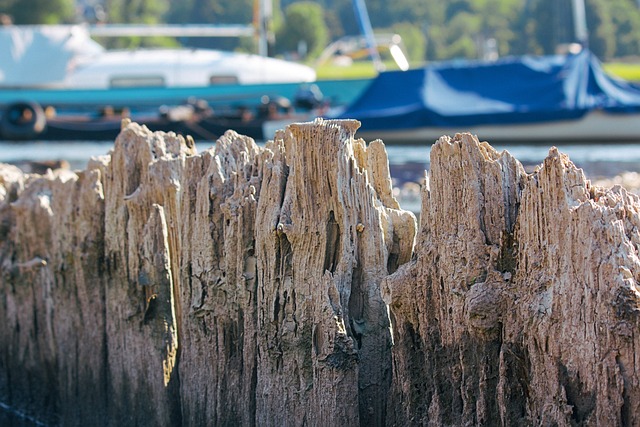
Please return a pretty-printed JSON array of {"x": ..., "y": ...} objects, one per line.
[
  {"x": 521, "y": 305},
  {"x": 144, "y": 290},
  {"x": 253, "y": 285}
]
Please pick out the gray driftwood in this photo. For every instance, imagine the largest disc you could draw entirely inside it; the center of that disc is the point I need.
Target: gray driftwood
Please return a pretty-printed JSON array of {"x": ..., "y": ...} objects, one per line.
[{"x": 280, "y": 286}]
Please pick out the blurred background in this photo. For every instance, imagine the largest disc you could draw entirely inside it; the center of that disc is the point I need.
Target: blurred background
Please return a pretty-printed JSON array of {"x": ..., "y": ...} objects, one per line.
[{"x": 430, "y": 29}]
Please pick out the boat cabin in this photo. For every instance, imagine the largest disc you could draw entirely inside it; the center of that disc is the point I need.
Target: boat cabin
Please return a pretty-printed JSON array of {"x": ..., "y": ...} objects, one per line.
[{"x": 74, "y": 60}]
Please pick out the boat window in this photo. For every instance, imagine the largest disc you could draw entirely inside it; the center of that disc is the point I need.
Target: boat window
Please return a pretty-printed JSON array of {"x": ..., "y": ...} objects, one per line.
[
  {"x": 222, "y": 80},
  {"x": 137, "y": 81}
]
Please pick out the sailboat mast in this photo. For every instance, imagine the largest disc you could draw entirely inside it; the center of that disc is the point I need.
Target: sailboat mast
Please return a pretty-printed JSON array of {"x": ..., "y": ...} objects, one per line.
[
  {"x": 367, "y": 31},
  {"x": 580, "y": 22},
  {"x": 262, "y": 13}
]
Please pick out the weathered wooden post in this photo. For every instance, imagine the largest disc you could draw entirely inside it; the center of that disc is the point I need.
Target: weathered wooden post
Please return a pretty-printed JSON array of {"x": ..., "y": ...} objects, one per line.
[
  {"x": 328, "y": 231},
  {"x": 240, "y": 286},
  {"x": 256, "y": 286},
  {"x": 521, "y": 305}
]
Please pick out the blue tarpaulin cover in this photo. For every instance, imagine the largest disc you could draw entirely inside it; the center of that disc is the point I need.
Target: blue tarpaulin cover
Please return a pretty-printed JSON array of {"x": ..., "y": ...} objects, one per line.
[{"x": 511, "y": 90}]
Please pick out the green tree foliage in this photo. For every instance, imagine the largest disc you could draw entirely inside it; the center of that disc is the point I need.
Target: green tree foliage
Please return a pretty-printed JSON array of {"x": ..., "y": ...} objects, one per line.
[
  {"x": 211, "y": 11},
  {"x": 613, "y": 25},
  {"x": 626, "y": 20},
  {"x": 459, "y": 40},
  {"x": 136, "y": 12},
  {"x": 239, "y": 12},
  {"x": 31, "y": 12},
  {"x": 457, "y": 28},
  {"x": 438, "y": 29},
  {"x": 498, "y": 19},
  {"x": 549, "y": 23},
  {"x": 464, "y": 27},
  {"x": 602, "y": 36},
  {"x": 339, "y": 16},
  {"x": 413, "y": 40},
  {"x": 303, "y": 22}
]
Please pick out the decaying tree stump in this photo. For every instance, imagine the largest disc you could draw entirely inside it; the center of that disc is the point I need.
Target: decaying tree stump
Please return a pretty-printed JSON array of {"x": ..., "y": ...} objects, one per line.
[{"x": 279, "y": 285}]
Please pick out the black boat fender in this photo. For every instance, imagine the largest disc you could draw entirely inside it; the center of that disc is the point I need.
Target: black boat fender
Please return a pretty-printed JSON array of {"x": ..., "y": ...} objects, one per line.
[{"x": 22, "y": 120}]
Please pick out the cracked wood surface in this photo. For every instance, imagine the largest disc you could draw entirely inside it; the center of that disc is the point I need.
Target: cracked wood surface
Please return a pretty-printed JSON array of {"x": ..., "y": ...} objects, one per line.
[
  {"x": 280, "y": 285},
  {"x": 239, "y": 286},
  {"x": 521, "y": 304}
]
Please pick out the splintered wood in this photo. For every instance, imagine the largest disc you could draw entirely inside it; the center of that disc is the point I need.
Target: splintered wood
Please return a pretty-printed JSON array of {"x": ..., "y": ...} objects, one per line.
[
  {"x": 283, "y": 285},
  {"x": 520, "y": 306}
]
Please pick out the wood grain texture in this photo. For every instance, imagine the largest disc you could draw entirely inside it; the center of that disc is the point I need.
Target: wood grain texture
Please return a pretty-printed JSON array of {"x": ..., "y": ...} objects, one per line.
[
  {"x": 521, "y": 304},
  {"x": 238, "y": 286},
  {"x": 282, "y": 285}
]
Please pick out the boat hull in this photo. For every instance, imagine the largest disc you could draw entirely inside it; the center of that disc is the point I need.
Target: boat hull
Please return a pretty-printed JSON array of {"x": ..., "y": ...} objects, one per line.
[
  {"x": 596, "y": 126},
  {"x": 338, "y": 92},
  {"x": 81, "y": 109},
  {"x": 556, "y": 98},
  {"x": 107, "y": 129}
]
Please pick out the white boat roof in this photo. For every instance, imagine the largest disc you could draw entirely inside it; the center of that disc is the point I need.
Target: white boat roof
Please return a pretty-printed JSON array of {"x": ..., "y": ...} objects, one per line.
[
  {"x": 33, "y": 49},
  {"x": 72, "y": 59},
  {"x": 183, "y": 67}
]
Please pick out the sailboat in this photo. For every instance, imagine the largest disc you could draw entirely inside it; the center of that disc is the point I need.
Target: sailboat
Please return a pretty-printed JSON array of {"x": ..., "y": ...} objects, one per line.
[{"x": 556, "y": 98}]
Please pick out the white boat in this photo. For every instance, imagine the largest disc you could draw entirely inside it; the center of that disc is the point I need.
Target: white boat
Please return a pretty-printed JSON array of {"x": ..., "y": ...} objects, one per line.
[
  {"x": 176, "y": 68},
  {"x": 73, "y": 60},
  {"x": 85, "y": 84}
]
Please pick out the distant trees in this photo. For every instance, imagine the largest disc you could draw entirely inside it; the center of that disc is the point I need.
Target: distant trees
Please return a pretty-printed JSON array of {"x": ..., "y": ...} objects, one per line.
[
  {"x": 602, "y": 34},
  {"x": 534, "y": 26},
  {"x": 213, "y": 12},
  {"x": 626, "y": 21},
  {"x": 25, "y": 12},
  {"x": 136, "y": 12},
  {"x": 303, "y": 26},
  {"x": 548, "y": 23},
  {"x": 413, "y": 40},
  {"x": 613, "y": 25},
  {"x": 465, "y": 28},
  {"x": 432, "y": 29}
]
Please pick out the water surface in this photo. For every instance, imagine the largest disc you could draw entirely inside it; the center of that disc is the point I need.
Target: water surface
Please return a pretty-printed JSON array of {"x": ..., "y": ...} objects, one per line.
[{"x": 407, "y": 163}]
